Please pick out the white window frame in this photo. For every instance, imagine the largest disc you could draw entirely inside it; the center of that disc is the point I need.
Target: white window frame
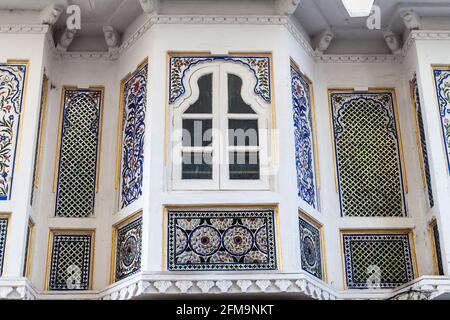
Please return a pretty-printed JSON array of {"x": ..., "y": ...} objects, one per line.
[{"x": 220, "y": 145}]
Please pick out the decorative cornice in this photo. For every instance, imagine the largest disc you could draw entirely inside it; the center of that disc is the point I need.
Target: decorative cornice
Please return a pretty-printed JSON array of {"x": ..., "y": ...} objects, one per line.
[
  {"x": 228, "y": 19},
  {"x": 24, "y": 28},
  {"x": 424, "y": 35},
  {"x": 362, "y": 58},
  {"x": 190, "y": 19}
]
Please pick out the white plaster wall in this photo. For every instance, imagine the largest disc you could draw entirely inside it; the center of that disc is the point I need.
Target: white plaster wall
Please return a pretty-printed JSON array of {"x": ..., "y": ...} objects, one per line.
[
  {"x": 431, "y": 52},
  {"x": 358, "y": 75},
  {"x": 128, "y": 63},
  {"x": 222, "y": 39},
  {"x": 23, "y": 47},
  {"x": 218, "y": 39},
  {"x": 82, "y": 75}
]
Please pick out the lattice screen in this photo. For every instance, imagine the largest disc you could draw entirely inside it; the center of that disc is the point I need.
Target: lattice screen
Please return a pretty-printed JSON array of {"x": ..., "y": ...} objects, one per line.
[
  {"x": 70, "y": 262},
  {"x": 28, "y": 248},
  {"x": 437, "y": 248},
  {"x": 368, "y": 155},
  {"x": 38, "y": 147},
  {"x": 78, "y": 154},
  {"x": 3, "y": 233},
  {"x": 421, "y": 139},
  {"x": 377, "y": 260}
]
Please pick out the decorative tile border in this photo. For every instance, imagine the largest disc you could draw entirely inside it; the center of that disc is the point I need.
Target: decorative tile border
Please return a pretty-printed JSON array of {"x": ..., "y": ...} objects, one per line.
[
  {"x": 28, "y": 249},
  {"x": 442, "y": 87},
  {"x": 421, "y": 139},
  {"x": 217, "y": 239},
  {"x": 13, "y": 76},
  {"x": 80, "y": 131},
  {"x": 127, "y": 246},
  {"x": 379, "y": 174},
  {"x": 4, "y": 220},
  {"x": 70, "y": 260},
  {"x": 305, "y": 147},
  {"x": 436, "y": 243},
  {"x": 40, "y": 133},
  {"x": 378, "y": 260},
  {"x": 179, "y": 65},
  {"x": 133, "y": 104},
  {"x": 311, "y": 246}
]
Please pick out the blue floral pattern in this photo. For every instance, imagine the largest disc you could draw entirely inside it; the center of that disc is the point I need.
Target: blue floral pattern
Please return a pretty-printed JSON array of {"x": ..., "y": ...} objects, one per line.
[
  {"x": 12, "y": 83},
  {"x": 304, "y": 138},
  {"x": 442, "y": 82},
  {"x": 221, "y": 240},
  {"x": 258, "y": 65},
  {"x": 133, "y": 131}
]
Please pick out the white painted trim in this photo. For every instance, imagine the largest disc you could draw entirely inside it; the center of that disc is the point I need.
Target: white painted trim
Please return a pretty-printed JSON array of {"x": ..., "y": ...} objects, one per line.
[
  {"x": 228, "y": 19},
  {"x": 296, "y": 285}
]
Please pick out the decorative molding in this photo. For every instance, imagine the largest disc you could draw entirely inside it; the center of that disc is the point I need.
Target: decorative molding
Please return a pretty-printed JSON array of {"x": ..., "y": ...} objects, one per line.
[
  {"x": 24, "y": 28},
  {"x": 228, "y": 19},
  {"x": 16, "y": 289},
  {"x": 147, "y": 285},
  {"x": 286, "y": 7},
  {"x": 358, "y": 58},
  {"x": 423, "y": 35},
  {"x": 299, "y": 285}
]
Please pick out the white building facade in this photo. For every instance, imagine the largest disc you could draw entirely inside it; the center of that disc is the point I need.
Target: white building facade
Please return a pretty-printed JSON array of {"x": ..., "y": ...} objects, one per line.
[{"x": 103, "y": 197}]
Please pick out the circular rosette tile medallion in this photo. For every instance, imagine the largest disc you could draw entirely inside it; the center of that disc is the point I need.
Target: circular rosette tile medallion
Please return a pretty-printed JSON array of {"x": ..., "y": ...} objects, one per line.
[
  {"x": 222, "y": 223},
  {"x": 188, "y": 223},
  {"x": 238, "y": 240},
  {"x": 261, "y": 239},
  {"x": 222, "y": 257},
  {"x": 188, "y": 258},
  {"x": 129, "y": 251},
  {"x": 181, "y": 240},
  {"x": 255, "y": 257},
  {"x": 253, "y": 223},
  {"x": 309, "y": 251},
  {"x": 204, "y": 240}
]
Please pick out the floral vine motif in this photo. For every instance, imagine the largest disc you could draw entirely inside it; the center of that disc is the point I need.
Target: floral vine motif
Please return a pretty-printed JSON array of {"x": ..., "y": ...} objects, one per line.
[
  {"x": 134, "y": 102},
  {"x": 11, "y": 94},
  {"x": 442, "y": 80},
  {"x": 304, "y": 145},
  {"x": 258, "y": 65}
]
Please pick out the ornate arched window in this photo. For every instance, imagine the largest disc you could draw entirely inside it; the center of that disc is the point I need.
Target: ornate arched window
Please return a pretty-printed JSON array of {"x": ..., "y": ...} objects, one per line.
[{"x": 220, "y": 131}]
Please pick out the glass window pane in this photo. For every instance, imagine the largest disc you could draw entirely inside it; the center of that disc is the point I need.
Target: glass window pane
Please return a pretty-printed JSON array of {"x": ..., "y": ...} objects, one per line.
[
  {"x": 235, "y": 102},
  {"x": 197, "y": 166},
  {"x": 244, "y": 165},
  {"x": 204, "y": 101},
  {"x": 243, "y": 132},
  {"x": 197, "y": 133}
]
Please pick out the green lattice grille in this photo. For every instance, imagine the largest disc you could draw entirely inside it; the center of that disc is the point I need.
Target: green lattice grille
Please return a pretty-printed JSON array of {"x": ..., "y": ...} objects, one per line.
[
  {"x": 368, "y": 159},
  {"x": 78, "y": 155},
  {"x": 388, "y": 253}
]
